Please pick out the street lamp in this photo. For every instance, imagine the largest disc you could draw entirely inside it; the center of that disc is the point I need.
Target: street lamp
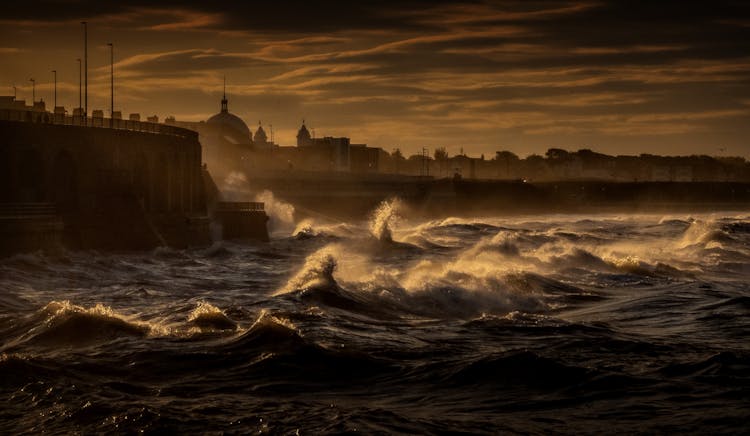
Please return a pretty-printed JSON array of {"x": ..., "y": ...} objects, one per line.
[
  {"x": 85, "y": 69},
  {"x": 55, "y": 99},
  {"x": 111, "y": 84},
  {"x": 33, "y": 90},
  {"x": 79, "y": 82}
]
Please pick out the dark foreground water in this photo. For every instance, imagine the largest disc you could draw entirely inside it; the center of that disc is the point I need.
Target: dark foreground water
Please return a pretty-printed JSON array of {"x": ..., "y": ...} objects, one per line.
[{"x": 545, "y": 324}]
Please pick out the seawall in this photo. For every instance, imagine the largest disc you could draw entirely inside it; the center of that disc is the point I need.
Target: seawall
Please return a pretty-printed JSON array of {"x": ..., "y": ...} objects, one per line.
[{"x": 112, "y": 188}]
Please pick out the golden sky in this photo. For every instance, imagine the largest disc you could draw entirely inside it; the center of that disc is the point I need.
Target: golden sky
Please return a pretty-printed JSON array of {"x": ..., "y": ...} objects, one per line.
[{"x": 619, "y": 77}]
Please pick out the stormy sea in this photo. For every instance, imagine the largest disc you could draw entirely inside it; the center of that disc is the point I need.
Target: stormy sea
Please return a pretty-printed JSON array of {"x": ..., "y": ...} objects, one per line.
[{"x": 393, "y": 324}]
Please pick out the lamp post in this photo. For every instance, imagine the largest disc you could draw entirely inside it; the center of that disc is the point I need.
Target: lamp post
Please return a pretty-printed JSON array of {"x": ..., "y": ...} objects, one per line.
[
  {"x": 54, "y": 72},
  {"x": 111, "y": 84},
  {"x": 33, "y": 91},
  {"x": 85, "y": 69},
  {"x": 79, "y": 82}
]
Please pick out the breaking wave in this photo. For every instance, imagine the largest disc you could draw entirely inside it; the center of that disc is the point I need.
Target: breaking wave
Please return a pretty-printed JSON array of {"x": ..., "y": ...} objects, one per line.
[
  {"x": 209, "y": 317},
  {"x": 61, "y": 324},
  {"x": 384, "y": 216}
]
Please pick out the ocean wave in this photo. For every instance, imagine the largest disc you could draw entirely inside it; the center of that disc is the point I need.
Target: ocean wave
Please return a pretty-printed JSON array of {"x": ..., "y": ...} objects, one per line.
[
  {"x": 61, "y": 324},
  {"x": 520, "y": 368},
  {"x": 520, "y": 323},
  {"x": 460, "y": 288},
  {"x": 704, "y": 232},
  {"x": 726, "y": 364},
  {"x": 740, "y": 227},
  {"x": 218, "y": 249},
  {"x": 309, "y": 228},
  {"x": 209, "y": 317},
  {"x": 163, "y": 252},
  {"x": 278, "y": 352},
  {"x": 676, "y": 222},
  {"x": 463, "y": 226},
  {"x": 424, "y": 243},
  {"x": 268, "y": 333},
  {"x": 316, "y": 272}
]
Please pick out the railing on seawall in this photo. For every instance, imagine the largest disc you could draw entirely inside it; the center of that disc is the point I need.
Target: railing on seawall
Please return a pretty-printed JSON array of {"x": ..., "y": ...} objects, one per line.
[
  {"x": 41, "y": 117},
  {"x": 240, "y": 206}
]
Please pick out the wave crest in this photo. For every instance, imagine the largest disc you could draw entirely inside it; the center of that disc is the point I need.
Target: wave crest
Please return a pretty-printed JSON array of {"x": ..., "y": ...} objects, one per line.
[
  {"x": 61, "y": 323},
  {"x": 209, "y": 317},
  {"x": 316, "y": 272}
]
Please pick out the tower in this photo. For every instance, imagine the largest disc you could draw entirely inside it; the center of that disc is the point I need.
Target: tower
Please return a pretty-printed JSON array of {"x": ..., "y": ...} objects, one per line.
[
  {"x": 224, "y": 105},
  {"x": 260, "y": 135},
  {"x": 303, "y": 136}
]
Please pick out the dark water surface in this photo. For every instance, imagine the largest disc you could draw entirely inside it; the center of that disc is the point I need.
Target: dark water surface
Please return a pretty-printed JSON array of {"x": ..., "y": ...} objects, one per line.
[{"x": 545, "y": 324}]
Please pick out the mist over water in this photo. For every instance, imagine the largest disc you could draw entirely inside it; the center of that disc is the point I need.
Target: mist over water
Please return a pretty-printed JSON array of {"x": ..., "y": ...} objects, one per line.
[{"x": 560, "y": 323}]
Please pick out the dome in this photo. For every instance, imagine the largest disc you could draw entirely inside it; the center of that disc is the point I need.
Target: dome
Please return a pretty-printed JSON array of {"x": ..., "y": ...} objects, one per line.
[
  {"x": 231, "y": 123},
  {"x": 228, "y": 123}
]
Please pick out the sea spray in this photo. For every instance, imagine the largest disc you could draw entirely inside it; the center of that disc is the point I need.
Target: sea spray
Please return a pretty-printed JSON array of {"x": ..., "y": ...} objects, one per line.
[
  {"x": 304, "y": 229},
  {"x": 703, "y": 232},
  {"x": 234, "y": 187},
  {"x": 383, "y": 218},
  {"x": 317, "y": 271},
  {"x": 280, "y": 213}
]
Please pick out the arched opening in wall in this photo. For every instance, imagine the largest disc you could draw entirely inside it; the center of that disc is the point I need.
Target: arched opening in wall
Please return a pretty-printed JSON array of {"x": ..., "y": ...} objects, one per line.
[
  {"x": 31, "y": 177},
  {"x": 142, "y": 181},
  {"x": 161, "y": 184},
  {"x": 29, "y": 117},
  {"x": 65, "y": 183}
]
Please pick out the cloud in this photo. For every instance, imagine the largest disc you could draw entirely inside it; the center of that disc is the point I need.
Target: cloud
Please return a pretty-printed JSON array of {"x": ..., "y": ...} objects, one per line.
[
  {"x": 416, "y": 71},
  {"x": 182, "y": 62}
]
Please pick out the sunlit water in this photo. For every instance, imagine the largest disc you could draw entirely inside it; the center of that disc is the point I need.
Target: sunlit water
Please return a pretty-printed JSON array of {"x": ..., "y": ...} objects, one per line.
[{"x": 565, "y": 324}]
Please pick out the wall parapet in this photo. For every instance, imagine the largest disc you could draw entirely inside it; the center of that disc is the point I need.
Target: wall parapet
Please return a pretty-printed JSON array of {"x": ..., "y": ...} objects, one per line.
[{"x": 30, "y": 116}]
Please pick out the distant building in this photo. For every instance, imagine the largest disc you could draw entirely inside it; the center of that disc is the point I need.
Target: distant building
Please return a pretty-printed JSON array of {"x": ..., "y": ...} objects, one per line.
[
  {"x": 364, "y": 159},
  {"x": 303, "y": 136}
]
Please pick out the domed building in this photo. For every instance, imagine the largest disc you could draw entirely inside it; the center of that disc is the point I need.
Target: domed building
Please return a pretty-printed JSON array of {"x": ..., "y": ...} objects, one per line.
[
  {"x": 225, "y": 138},
  {"x": 229, "y": 126}
]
